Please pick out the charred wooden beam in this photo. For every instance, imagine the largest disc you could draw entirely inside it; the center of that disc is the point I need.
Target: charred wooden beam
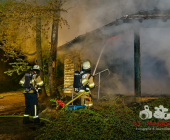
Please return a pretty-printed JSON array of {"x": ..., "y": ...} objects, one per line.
[{"x": 137, "y": 69}]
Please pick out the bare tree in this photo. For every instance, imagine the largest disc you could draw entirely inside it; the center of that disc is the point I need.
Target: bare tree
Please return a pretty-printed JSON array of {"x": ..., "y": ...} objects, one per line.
[
  {"x": 53, "y": 51},
  {"x": 39, "y": 53}
]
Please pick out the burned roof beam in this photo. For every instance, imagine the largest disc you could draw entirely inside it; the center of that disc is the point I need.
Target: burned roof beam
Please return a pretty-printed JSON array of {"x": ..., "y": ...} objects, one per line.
[{"x": 130, "y": 21}]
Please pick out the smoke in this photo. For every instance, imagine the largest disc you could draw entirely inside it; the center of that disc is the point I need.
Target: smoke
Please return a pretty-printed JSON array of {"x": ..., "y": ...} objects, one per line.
[
  {"x": 85, "y": 16},
  {"x": 155, "y": 60}
]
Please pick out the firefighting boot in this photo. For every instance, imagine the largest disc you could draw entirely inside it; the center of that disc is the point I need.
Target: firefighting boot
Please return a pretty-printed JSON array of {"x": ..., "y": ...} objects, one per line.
[
  {"x": 37, "y": 122},
  {"x": 82, "y": 98},
  {"x": 88, "y": 102},
  {"x": 26, "y": 120}
]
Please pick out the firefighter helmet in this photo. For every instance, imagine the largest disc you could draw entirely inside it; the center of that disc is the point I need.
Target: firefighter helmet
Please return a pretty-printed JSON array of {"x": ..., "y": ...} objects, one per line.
[
  {"x": 86, "y": 65},
  {"x": 36, "y": 67}
]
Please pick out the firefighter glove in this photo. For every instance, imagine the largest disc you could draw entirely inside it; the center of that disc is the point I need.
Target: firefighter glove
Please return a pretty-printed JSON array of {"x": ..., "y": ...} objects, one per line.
[
  {"x": 87, "y": 88},
  {"x": 39, "y": 90},
  {"x": 27, "y": 90}
]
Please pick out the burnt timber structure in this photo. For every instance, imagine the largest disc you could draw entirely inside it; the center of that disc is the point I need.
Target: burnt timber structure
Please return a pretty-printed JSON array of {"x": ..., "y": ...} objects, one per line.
[
  {"x": 72, "y": 62},
  {"x": 143, "y": 19}
]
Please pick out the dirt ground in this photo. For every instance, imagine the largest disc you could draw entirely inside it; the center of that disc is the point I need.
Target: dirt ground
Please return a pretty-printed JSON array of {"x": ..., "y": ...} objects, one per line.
[
  {"x": 14, "y": 129},
  {"x": 12, "y": 102}
]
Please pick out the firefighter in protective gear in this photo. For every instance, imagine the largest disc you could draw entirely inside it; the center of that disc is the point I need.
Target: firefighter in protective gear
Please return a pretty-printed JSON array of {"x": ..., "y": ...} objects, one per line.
[
  {"x": 31, "y": 99},
  {"x": 87, "y": 84}
]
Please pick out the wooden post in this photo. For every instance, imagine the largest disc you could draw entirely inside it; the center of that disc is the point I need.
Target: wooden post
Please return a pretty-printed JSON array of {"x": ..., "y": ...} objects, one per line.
[{"x": 137, "y": 70}]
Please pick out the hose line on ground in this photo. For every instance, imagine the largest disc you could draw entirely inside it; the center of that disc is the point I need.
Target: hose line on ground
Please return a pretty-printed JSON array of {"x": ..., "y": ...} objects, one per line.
[{"x": 17, "y": 116}]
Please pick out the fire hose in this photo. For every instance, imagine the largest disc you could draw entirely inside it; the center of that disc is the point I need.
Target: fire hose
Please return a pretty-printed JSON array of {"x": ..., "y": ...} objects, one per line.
[
  {"x": 72, "y": 101},
  {"x": 18, "y": 116}
]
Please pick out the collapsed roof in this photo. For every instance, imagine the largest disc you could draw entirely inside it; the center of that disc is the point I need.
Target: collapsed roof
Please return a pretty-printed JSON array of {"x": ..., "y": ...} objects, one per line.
[{"x": 143, "y": 19}]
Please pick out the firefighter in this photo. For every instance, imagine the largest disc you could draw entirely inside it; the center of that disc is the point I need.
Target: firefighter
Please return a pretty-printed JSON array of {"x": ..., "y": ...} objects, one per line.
[
  {"x": 87, "y": 84},
  {"x": 32, "y": 84}
]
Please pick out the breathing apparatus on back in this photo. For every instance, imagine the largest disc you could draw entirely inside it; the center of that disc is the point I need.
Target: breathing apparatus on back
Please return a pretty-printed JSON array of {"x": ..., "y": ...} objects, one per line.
[{"x": 28, "y": 84}]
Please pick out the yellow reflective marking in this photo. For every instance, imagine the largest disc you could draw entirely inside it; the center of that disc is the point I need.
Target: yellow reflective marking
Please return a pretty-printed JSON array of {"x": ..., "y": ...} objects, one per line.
[
  {"x": 88, "y": 104},
  {"x": 21, "y": 81},
  {"x": 40, "y": 83},
  {"x": 35, "y": 117},
  {"x": 90, "y": 85},
  {"x": 81, "y": 90},
  {"x": 84, "y": 81}
]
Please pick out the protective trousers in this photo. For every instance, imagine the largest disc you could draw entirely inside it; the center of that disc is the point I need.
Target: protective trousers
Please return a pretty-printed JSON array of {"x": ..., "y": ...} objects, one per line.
[
  {"x": 86, "y": 99},
  {"x": 31, "y": 103}
]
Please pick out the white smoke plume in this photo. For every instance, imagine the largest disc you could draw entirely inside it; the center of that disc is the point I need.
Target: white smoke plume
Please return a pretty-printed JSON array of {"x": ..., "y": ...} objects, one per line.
[{"x": 85, "y": 16}]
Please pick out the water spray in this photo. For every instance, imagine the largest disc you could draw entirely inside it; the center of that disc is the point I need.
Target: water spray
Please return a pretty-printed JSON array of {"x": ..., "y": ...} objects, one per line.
[
  {"x": 100, "y": 56},
  {"x": 102, "y": 53}
]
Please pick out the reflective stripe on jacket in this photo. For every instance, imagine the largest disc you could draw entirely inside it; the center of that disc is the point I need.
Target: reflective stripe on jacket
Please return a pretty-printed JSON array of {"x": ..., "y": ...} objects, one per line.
[{"x": 87, "y": 81}]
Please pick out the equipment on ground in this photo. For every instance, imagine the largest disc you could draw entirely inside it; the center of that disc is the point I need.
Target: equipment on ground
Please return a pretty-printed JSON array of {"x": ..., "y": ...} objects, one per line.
[
  {"x": 62, "y": 104},
  {"x": 59, "y": 102},
  {"x": 74, "y": 107}
]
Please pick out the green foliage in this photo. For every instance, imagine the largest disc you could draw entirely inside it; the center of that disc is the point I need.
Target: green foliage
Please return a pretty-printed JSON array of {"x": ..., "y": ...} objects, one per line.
[
  {"x": 18, "y": 28},
  {"x": 113, "y": 121},
  {"x": 18, "y": 67},
  {"x": 1, "y": 6}
]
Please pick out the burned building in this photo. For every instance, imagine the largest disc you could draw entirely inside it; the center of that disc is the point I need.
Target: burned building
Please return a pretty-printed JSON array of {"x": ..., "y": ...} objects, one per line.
[{"x": 89, "y": 45}]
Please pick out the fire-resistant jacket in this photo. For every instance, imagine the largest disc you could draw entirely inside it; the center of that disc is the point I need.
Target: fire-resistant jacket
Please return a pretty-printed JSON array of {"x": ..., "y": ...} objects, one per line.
[
  {"x": 36, "y": 82},
  {"x": 87, "y": 80}
]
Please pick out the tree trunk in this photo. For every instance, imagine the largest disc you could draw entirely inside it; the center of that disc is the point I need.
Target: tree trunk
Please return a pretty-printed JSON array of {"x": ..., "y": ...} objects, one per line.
[
  {"x": 39, "y": 53},
  {"x": 52, "y": 59}
]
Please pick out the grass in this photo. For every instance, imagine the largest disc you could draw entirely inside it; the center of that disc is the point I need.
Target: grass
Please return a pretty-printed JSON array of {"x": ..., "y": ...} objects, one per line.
[{"x": 111, "y": 121}]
